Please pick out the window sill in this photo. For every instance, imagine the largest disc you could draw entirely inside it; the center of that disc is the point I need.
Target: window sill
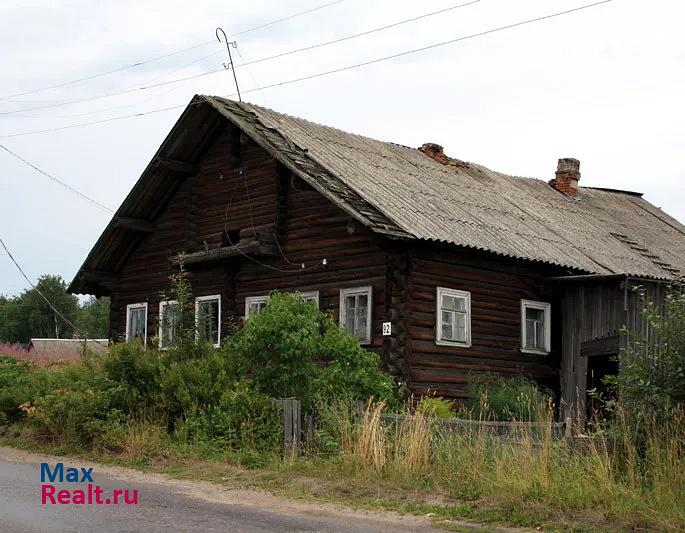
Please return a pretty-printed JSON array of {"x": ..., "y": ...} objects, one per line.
[
  {"x": 453, "y": 343},
  {"x": 534, "y": 352}
]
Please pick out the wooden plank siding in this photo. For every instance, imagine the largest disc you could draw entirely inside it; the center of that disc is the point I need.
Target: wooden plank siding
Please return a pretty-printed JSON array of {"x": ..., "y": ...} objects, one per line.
[
  {"x": 239, "y": 186},
  {"x": 496, "y": 287},
  {"x": 240, "y": 190}
]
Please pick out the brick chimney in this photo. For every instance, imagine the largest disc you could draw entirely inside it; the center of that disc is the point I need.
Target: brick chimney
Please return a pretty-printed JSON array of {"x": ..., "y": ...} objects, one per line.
[
  {"x": 567, "y": 177},
  {"x": 435, "y": 151}
]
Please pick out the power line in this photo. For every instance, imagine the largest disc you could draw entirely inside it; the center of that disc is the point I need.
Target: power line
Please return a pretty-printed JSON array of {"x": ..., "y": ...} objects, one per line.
[
  {"x": 170, "y": 54},
  {"x": 328, "y": 72},
  {"x": 244, "y": 64},
  {"x": 57, "y": 312},
  {"x": 57, "y": 180}
]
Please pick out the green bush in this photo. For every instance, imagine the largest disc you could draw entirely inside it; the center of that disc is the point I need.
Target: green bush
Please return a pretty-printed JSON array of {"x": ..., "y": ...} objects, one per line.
[
  {"x": 652, "y": 377},
  {"x": 290, "y": 349},
  {"x": 435, "y": 407},
  {"x": 14, "y": 388},
  {"x": 516, "y": 398},
  {"x": 241, "y": 419},
  {"x": 135, "y": 371}
]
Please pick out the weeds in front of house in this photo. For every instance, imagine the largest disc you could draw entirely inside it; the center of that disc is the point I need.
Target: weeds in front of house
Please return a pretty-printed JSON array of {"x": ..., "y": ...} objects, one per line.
[{"x": 196, "y": 412}]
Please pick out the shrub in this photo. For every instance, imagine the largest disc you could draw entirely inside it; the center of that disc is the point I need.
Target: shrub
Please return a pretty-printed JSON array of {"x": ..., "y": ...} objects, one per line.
[
  {"x": 435, "y": 407},
  {"x": 135, "y": 371},
  {"x": 516, "y": 398},
  {"x": 241, "y": 419},
  {"x": 14, "y": 388},
  {"x": 290, "y": 349},
  {"x": 652, "y": 377}
]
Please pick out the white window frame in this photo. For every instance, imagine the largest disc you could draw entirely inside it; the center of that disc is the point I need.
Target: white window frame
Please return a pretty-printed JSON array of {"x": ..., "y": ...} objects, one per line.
[
  {"x": 547, "y": 308},
  {"x": 368, "y": 291},
  {"x": 162, "y": 305},
  {"x": 254, "y": 300},
  {"x": 209, "y": 298},
  {"x": 129, "y": 307},
  {"x": 309, "y": 295},
  {"x": 466, "y": 295}
]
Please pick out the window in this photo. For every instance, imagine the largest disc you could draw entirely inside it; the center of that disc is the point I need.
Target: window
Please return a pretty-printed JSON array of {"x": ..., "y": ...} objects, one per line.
[
  {"x": 254, "y": 305},
  {"x": 169, "y": 315},
  {"x": 136, "y": 322},
  {"x": 208, "y": 318},
  {"x": 535, "y": 326},
  {"x": 453, "y": 317},
  {"x": 355, "y": 312},
  {"x": 310, "y": 296}
]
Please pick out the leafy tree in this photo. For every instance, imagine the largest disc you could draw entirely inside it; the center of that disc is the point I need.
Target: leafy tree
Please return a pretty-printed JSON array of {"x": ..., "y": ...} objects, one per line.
[
  {"x": 28, "y": 315},
  {"x": 92, "y": 317}
]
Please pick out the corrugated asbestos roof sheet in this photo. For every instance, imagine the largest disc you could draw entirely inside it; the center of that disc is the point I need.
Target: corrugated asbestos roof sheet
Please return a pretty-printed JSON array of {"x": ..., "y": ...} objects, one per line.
[
  {"x": 597, "y": 231},
  {"x": 67, "y": 349}
]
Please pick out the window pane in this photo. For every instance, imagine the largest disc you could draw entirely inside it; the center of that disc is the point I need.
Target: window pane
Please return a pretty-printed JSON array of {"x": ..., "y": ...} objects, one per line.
[
  {"x": 170, "y": 317},
  {"x": 460, "y": 327},
  {"x": 208, "y": 321},
  {"x": 540, "y": 337},
  {"x": 137, "y": 323},
  {"x": 349, "y": 320},
  {"x": 535, "y": 314},
  {"x": 362, "y": 322},
  {"x": 446, "y": 330},
  {"x": 530, "y": 334}
]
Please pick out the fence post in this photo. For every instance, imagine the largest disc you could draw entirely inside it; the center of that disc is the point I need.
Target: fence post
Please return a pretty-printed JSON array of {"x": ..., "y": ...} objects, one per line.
[
  {"x": 568, "y": 429},
  {"x": 291, "y": 426}
]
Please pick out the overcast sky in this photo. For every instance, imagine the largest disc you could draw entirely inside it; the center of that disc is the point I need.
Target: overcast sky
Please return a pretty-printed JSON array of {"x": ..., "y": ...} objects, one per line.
[{"x": 604, "y": 85}]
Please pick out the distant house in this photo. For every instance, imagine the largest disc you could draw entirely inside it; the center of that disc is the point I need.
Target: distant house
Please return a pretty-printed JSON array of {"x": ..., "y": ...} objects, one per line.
[
  {"x": 65, "y": 349},
  {"x": 476, "y": 271}
]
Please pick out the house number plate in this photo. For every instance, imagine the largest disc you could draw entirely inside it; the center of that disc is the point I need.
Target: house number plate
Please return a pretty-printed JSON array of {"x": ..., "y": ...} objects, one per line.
[{"x": 387, "y": 328}]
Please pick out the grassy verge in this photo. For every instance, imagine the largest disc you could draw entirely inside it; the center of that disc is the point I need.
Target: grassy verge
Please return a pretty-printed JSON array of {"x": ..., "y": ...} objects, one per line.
[{"x": 339, "y": 480}]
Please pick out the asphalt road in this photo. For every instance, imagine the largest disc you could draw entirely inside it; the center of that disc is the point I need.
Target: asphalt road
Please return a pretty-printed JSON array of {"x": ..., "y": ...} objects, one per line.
[{"x": 171, "y": 507}]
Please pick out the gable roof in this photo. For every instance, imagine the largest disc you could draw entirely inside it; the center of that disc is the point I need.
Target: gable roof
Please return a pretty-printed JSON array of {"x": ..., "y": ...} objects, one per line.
[{"x": 401, "y": 192}]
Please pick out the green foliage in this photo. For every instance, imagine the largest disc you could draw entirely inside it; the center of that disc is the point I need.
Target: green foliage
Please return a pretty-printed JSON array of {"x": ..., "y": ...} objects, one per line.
[
  {"x": 290, "y": 349},
  {"x": 435, "y": 407},
  {"x": 135, "y": 371},
  {"x": 29, "y": 316},
  {"x": 92, "y": 317},
  {"x": 652, "y": 377},
  {"x": 516, "y": 398},
  {"x": 14, "y": 388},
  {"x": 241, "y": 419}
]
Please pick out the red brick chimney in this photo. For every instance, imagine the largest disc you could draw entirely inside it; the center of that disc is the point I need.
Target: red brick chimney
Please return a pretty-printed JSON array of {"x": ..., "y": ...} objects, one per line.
[
  {"x": 434, "y": 151},
  {"x": 567, "y": 177}
]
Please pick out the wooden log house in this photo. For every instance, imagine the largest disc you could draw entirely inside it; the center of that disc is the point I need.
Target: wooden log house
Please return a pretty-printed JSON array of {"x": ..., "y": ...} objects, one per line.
[{"x": 477, "y": 272}]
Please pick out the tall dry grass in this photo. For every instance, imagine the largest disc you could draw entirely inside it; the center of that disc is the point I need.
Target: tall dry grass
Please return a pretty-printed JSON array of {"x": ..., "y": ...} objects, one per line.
[{"x": 627, "y": 475}]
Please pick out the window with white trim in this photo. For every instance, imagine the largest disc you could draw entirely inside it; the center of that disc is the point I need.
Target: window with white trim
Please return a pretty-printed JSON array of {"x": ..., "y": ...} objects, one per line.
[
  {"x": 310, "y": 296},
  {"x": 536, "y": 326},
  {"x": 169, "y": 317},
  {"x": 355, "y": 312},
  {"x": 254, "y": 305},
  {"x": 208, "y": 319},
  {"x": 453, "y": 317},
  {"x": 136, "y": 322}
]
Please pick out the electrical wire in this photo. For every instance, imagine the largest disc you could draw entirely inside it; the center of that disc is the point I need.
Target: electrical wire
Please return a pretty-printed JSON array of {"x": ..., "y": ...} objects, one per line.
[
  {"x": 332, "y": 71},
  {"x": 59, "y": 181},
  {"x": 244, "y": 64},
  {"x": 57, "y": 312},
  {"x": 164, "y": 56}
]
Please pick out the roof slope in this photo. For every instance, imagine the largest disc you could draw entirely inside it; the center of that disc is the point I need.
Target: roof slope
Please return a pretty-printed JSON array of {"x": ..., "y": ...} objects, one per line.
[
  {"x": 597, "y": 231},
  {"x": 66, "y": 349},
  {"x": 401, "y": 192}
]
